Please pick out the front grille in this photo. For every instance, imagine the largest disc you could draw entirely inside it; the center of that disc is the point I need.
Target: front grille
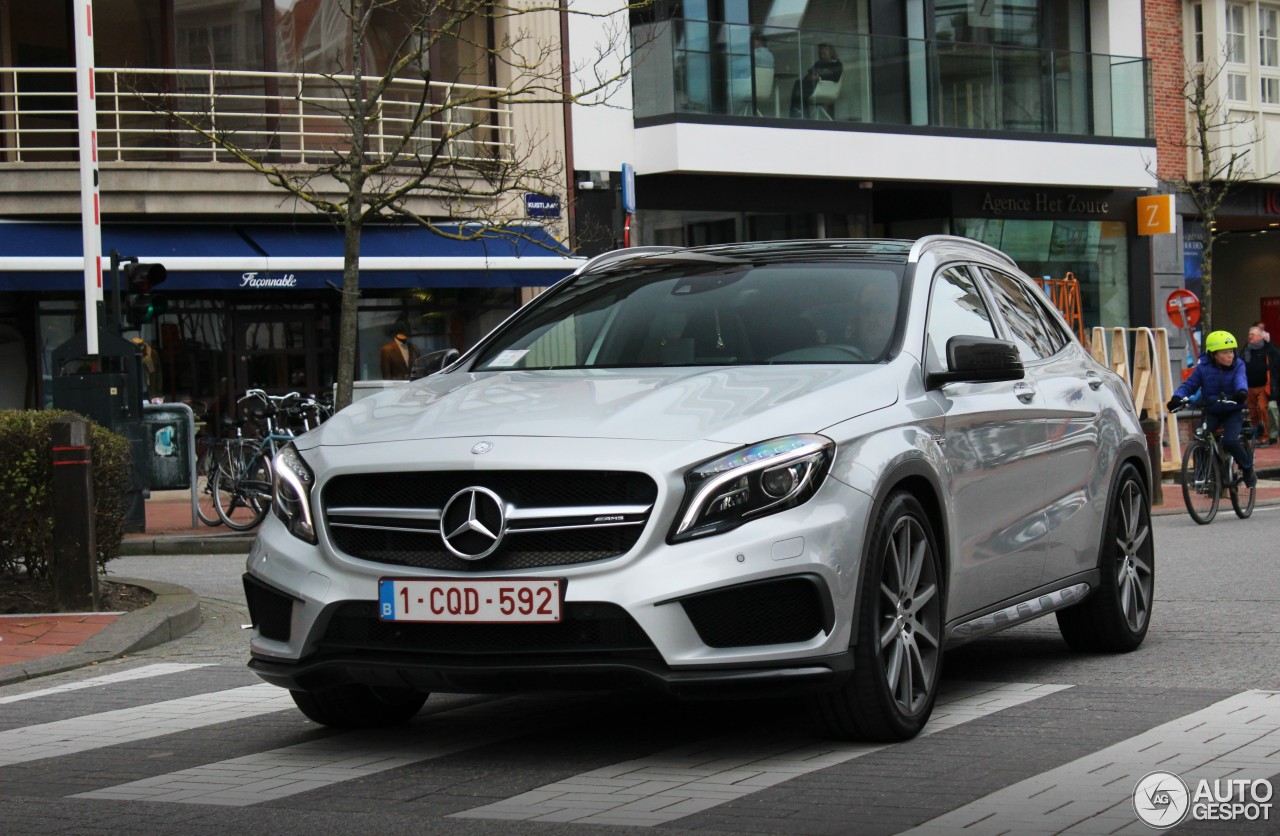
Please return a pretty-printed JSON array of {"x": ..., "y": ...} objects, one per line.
[
  {"x": 585, "y": 628},
  {"x": 526, "y": 488},
  {"x": 768, "y": 612},
  {"x": 528, "y": 551},
  {"x": 270, "y": 610},
  {"x": 394, "y": 519}
]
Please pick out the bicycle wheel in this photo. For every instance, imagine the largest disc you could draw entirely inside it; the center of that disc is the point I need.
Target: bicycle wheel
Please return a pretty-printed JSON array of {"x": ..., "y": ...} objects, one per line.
[
  {"x": 1242, "y": 496},
  {"x": 242, "y": 487},
  {"x": 1201, "y": 487},
  {"x": 206, "y": 467}
]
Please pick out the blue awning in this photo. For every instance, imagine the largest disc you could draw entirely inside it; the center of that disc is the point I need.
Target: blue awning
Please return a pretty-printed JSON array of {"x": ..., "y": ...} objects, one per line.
[{"x": 47, "y": 256}]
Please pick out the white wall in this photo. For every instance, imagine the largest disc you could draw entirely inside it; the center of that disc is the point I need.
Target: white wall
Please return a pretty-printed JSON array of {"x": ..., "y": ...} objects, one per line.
[
  {"x": 603, "y": 134},
  {"x": 728, "y": 149}
]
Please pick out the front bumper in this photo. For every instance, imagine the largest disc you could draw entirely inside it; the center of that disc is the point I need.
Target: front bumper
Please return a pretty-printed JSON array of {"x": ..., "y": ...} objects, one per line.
[
  {"x": 533, "y": 674},
  {"x": 689, "y": 628}
]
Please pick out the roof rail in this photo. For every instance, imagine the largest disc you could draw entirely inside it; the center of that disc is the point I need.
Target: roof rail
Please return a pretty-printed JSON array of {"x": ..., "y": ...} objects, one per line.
[
  {"x": 623, "y": 254},
  {"x": 934, "y": 240}
]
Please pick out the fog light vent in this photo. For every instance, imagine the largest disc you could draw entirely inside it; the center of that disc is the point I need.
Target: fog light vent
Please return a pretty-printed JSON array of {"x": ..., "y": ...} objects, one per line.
[
  {"x": 270, "y": 610},
  {"x": 785, "y": 611}
]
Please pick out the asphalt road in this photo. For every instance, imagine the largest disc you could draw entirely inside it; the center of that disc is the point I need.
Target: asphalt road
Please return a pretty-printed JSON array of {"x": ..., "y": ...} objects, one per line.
[{"x": 1028, "y": 737}]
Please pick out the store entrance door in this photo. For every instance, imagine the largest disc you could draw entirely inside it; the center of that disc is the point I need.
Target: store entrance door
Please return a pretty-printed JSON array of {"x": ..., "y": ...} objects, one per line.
[{"x": 275, "y": 351}]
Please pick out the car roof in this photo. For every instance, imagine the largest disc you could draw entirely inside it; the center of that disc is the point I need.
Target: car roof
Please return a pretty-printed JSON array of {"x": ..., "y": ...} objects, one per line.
[{"x": 886, "y": 250}]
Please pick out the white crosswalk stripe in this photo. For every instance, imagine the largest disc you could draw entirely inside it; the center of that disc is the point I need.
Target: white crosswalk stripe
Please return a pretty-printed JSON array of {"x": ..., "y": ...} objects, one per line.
[
  {"x": 280, "y": 773},
  {"x": 690, "y": 779},
  {"x": 109, "y": 728},
  {"x": 144, "y": 672},
  {"x": 1236, "y": 738}
]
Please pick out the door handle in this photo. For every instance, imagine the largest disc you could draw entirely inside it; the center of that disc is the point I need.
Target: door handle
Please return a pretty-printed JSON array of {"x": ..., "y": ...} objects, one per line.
[
  {"x": 1094, "y": 379},
  {"x": 1025, "y": 392}
]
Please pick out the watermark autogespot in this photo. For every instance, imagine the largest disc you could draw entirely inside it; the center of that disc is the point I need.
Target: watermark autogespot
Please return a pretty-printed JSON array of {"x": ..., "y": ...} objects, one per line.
[{"x": 1162, "y": 800}]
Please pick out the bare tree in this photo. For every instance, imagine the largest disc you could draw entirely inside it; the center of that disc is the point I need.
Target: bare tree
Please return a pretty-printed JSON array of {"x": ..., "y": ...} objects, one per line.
[
  {"x": 1220, "y": 143},
  {"x": 408, "y": 116}
]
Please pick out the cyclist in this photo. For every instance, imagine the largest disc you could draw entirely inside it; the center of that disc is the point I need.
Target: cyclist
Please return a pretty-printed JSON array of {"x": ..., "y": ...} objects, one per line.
[{"x": 1220, "y": 377}]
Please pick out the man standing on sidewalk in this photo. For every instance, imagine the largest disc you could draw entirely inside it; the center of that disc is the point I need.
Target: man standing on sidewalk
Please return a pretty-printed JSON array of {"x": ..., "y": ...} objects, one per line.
[{"x": 1262, "y": 370}]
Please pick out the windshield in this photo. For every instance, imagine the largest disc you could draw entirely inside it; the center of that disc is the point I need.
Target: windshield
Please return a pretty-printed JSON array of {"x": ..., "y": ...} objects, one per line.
[{"x": 697, "y": 315}]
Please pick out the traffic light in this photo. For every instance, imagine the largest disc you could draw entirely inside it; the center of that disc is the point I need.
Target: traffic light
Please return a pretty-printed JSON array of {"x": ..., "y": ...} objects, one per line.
[{"x": 140, "y": 280}]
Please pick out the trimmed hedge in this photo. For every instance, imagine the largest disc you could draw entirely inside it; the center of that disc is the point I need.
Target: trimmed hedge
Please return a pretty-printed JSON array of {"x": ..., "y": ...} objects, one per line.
[{"x": 26, "y": 474}]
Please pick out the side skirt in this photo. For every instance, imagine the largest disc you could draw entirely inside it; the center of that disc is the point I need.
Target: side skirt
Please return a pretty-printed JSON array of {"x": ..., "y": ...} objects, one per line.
[{"x": 1016, "y": 613}]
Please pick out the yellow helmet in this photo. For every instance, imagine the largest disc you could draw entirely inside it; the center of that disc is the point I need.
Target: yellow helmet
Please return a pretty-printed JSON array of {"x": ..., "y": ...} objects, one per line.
[{"x": 1219, "y": 341}]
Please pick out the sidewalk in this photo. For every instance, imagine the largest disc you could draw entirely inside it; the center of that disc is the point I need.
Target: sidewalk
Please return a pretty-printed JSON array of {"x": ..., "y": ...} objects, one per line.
[
  {"x": 169, "y": 530},
  {"x": 1266, "y": 461},
  {"x": 37, "y": 645}
]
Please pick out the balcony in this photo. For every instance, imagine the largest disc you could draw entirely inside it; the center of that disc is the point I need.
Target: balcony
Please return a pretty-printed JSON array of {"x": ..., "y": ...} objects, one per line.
[
  {"x": 151, "y": 164},
  {"x": 287, "y": 118},
  {"x": 703, "y": 72}
]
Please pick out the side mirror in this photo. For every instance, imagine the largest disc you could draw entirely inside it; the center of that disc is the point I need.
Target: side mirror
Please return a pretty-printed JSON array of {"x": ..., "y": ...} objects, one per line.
[
  {"x": 432, "y": 362},
  {"x": 978, "y": 360}
]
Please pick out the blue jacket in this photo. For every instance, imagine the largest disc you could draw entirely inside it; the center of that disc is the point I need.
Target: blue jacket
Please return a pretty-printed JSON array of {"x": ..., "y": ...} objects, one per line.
[{"x": 1217, "y": 385}]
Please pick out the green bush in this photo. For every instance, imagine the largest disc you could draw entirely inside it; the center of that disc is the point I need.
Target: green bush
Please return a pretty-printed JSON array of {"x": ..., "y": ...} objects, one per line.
[{"x": 26, "y": 475}]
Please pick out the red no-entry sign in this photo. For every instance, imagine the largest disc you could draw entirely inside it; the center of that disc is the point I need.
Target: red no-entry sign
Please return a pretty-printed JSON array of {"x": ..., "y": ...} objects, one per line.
[{"x": 1183, "y": 308}]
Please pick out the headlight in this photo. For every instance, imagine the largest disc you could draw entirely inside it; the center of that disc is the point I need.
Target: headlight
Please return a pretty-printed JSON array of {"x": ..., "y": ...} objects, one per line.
[
  {"x": 761, "y": 479},
  {"x": 291, "y": 493}
]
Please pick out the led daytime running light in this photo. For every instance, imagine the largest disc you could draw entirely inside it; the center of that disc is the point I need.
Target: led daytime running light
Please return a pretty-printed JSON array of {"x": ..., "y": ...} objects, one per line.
[
  {"x": 768, "y": 455},
  {"x": 292, "y": 471}
]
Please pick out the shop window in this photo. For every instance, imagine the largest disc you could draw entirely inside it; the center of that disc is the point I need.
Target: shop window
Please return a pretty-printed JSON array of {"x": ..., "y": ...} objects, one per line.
[{"x": 1095, "y": 252}]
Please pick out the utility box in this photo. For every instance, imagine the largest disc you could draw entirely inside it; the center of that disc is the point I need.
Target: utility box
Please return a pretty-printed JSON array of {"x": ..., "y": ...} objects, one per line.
[
  {"x": 104, "y": 397},
  {"x": 107, "y": 388}
]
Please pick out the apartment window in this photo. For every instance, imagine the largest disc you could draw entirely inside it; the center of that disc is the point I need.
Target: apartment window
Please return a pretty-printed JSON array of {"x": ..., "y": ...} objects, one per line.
[
  {"x": 1237, "y": 48},
  {"x": 1236, "y": 53},
  {"x": 1269, "y": 54},
  {"x": 1268, "y": 38},
  {"x": 1197, "y": 32}
]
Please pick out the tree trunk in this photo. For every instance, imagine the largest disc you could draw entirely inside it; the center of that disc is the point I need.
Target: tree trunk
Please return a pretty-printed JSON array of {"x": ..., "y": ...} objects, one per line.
[{"x": 348, "y": 322}]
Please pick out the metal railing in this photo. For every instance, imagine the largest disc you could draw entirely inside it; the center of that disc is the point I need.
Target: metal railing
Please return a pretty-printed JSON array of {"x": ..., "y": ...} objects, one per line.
[
  {"x": 286, "y": 117},
  {"x": 690, "y": 66}
]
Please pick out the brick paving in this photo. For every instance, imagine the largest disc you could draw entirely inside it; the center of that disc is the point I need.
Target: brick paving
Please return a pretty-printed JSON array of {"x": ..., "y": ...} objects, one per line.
[{"x": 27, "y": 637}]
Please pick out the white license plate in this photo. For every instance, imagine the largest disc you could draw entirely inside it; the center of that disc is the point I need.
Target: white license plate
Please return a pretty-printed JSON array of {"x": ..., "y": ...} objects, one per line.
[{"x": 487, "y": 601}]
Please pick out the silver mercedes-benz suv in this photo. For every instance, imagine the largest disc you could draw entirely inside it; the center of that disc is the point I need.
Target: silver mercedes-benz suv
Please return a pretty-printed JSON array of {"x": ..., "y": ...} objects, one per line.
[{"x": 794, "y": 467}]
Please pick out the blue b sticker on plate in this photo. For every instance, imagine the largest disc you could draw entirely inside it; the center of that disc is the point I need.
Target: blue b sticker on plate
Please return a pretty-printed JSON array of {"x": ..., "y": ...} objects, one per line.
[{"x": 387, "y": 599}]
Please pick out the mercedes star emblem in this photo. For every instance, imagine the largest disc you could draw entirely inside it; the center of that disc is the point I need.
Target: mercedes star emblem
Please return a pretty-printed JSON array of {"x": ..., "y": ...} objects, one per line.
[{"x": 473, "y": 523}]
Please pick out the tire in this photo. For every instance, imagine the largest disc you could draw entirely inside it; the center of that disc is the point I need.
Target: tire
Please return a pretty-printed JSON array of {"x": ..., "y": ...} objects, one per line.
[
  {"x": 206, "y": 467},
  {"x": 1201, "y": 487},
  {"x": 898, "y": 651},
  {"x": 1115, "y": 618},
  {"x": 1242, "y": 497},
  {"x": 355, "y": 706},
  {"x": 206, "y": 508},
  {"x": 238, "y": 489}
]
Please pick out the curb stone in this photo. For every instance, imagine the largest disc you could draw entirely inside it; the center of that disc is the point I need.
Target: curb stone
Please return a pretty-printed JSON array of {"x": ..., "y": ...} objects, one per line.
[
  {"x": 191, "y": 544},
  {"x": 174, "y": 613}
]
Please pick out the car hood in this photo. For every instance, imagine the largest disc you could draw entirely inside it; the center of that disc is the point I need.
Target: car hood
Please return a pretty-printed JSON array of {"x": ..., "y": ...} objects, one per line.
[{"x": 739, "y": 404}]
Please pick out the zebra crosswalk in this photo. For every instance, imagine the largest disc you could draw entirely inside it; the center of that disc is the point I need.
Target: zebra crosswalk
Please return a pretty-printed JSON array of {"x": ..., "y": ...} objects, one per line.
[{"x": 995, "y": 758}]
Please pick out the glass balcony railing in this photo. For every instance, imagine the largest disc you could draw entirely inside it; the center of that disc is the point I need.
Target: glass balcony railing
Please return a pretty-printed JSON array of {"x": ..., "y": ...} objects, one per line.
[{"x": 701, "y": 67}]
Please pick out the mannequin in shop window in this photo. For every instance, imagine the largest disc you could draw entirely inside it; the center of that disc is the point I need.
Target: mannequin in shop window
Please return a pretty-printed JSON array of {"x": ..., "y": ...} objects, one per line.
[{"x": 397, "y": 357}]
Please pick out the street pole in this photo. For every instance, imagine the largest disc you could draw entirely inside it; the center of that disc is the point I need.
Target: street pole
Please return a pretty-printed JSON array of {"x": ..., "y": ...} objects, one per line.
[{"x": 90, "y": 216}]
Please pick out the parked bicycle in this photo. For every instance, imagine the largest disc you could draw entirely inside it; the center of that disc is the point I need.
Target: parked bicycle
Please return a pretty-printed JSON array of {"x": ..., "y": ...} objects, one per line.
[
  {"x": 241, "y": 485},
  {"x": 1208, "y": 469},
  {"x": 220, "y": 454}
]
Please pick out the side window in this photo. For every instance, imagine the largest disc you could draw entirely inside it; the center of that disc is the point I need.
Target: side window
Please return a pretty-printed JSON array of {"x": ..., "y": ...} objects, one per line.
[
  {"x": 955, "y": 309},
  {"x": 1024, "y": 317}
]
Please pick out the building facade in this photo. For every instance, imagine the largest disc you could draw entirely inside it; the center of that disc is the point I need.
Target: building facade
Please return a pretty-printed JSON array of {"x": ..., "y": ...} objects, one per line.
[
  {"x": 253, "y": 275},
  {"x": 1236, "y": 47},
  {"x": 1027, "y": 124}
]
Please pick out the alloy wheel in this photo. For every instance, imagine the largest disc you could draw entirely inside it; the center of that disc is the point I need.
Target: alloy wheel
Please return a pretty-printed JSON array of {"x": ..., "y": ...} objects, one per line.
[
  {"x": 1133, "y": 567},
  {"x": 911, "y": 616}
]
